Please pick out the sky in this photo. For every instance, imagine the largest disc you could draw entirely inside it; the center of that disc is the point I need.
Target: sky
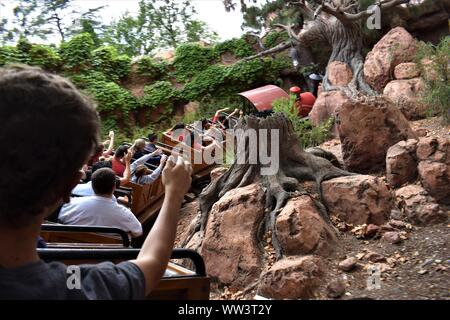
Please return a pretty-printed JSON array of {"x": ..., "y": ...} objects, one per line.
[{"x": 226, "y": 24}]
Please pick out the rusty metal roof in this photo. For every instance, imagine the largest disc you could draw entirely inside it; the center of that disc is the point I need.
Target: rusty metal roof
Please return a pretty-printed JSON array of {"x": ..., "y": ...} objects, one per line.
[{"x": 263, "y": 97}]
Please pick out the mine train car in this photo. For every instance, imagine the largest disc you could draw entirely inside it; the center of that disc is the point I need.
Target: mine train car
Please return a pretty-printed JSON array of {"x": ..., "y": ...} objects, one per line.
[{"x": 262, "y": 100}]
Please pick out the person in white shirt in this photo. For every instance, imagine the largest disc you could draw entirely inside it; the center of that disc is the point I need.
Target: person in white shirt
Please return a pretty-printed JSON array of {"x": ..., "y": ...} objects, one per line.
[{"x": 101, "y": 209}]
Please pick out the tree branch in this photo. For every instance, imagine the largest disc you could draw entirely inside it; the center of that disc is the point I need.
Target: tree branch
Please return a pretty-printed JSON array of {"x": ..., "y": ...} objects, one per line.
[
  {"x": 282, "y": 46},
  {"x": 345, "y": 17},
  {"x": 289, "y": 30}
]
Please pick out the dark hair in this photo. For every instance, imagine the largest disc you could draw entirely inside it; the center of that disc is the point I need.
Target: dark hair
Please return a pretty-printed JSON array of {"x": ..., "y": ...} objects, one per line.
[
  {"x": 121, "y": 151},
  {"x": 45, "y": 116},
  {"x": 100, "y": 165},
  {"x": 103, "y": 181},
  {"x": 178, "y": 126},
  {"x": 152, "y": 137}
]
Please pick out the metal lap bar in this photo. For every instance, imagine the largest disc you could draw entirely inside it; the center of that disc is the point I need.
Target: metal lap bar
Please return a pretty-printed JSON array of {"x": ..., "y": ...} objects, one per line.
[{"x": 119, "y": 254}]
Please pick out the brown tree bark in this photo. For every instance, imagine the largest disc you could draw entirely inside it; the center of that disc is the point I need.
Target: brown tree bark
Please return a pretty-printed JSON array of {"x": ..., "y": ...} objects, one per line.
[{"x": 295, "y": 166}]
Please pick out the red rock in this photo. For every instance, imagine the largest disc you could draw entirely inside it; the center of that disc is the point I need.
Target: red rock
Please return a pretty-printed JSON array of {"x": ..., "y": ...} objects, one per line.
[
  {"x": 358, "y": 199},
  {"x": 426, "y": 147},
  {"x": 230, "y": 246},
  {"x": 397, "y": 224},
  {"x": 339, "y": 73},
  {"x": 401, "y": 163},
  {"x": 348, "y": 264},
  {"x": 367, "y": 127},
  {"x": 392, "y": 237},
  {"x": 371, "y": 230},
  {"x": 406, "y": 70},
  {"x": 335, "y": 289},
  {"x": 421, "y": 132},
  {"x": 301, "y": 229},
  {"x": 406, "y": 94},
  {"x": 396, "y": 47},
  {"x": 292, "y": 278},
  {"x": 375, "y": 257},
  {"x": 418, "y": 206},
  {"x": 192, "y": 107},
  {"x": 435, "y": 177}
]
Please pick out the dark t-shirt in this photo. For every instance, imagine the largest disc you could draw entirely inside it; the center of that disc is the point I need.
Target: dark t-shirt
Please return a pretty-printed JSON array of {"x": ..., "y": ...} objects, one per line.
[{"x": 42, "y": 280}]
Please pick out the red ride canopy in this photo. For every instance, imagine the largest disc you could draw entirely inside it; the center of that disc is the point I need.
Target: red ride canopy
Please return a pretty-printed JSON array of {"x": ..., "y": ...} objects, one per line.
[{"x": 263, "y": 97}]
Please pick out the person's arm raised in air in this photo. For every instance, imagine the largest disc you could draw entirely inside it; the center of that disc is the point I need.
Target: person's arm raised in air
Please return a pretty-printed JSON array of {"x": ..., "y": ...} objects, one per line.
[
  {"x": 144, "y": 159},
  {"x": 155, "y": 253},
  {"x": 127, "y": 172},
  {"x": 147, "y": 179},
  {"x": 111, "y": 144},
  {"x": 217, "y": 114}
]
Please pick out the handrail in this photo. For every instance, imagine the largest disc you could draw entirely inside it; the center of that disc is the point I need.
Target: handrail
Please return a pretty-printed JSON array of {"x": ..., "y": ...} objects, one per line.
[
  {"x": 50, "y": 254},
  {"x": 80, "y": 228}
]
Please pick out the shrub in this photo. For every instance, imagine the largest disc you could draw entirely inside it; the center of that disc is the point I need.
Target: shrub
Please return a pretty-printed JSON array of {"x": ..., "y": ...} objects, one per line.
[
  {"x": 151, "y": 68},
  {"x": 190, "y": 59},
  {"x": 106, "y": 60},
  {"x": 77, "y": 52},
  {"x": 437, "y": 92},
  {"x": 307, "y": 134},
  {"x": 44, "y": 56},
  {"x": 158, "y": 94},
  {"x": 237, "y": 46}
]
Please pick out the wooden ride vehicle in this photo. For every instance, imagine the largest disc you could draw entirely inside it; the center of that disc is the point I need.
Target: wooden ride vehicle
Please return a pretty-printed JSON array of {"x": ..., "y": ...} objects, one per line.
[{"x": 177, "y": 283}]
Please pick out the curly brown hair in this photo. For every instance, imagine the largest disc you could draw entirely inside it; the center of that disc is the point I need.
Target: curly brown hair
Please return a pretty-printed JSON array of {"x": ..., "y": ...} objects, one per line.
[{"x": 50, "y": 129}]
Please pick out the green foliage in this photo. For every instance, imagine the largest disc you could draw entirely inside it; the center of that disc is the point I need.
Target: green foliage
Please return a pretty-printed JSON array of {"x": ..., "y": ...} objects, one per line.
[
  {"x": 161, "y": 93},
  {"x": 106, "y": 59},
  {"x": 108, "y": 95},
  {"x": 77, "y": 52},
  {"x": 44, "y": 56},
  {"x": 273, "y": 38},
  {"x": 9, "y": 55},
  {"x": 191, "y": 58},
  {"x": 436, "y": 74},
  {"x": 208, "y": 81},
  {"x": 237, "y": 46},
  {"x": 151, "y": 68},
  {"x": 307, "y": 134}
]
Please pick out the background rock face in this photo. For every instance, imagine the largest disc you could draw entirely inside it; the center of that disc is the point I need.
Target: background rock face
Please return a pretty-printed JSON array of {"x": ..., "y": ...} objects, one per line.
[
  {"x": 292, "y": 278},
  {"x": 396, "y": 47},
  {"x": 434, "y": 167},
  {"x": 301, "y": 229},
  {"x": 406, "y": 94},
  {"x": 401, "y": 163},
  {"x": 367, "y": 128},
  {"x": 418, "y": 206},
  {"x": 230, "y": 249},
  {"x": 358, "y": 199}
]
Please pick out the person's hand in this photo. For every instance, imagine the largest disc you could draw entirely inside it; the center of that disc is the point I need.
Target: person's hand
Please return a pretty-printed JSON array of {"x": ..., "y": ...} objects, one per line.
[
  {"x": 129, "y": 155},
  {"x": 111, "y": 134},
  {"x": 163, "y": 160},
  {"x": 176, "y": 176},
  {"x": 157, "y": 152}
]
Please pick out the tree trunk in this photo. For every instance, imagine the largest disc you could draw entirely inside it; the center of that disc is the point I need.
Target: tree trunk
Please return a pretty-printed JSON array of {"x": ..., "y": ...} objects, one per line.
[{"x": 295, "y": 166}]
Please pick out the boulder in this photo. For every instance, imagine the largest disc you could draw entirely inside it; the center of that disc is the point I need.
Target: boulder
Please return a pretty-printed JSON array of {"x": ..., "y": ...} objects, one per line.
[
  {"x": 292, "y": 278},
  {"x": 407, "y": 70},
  {"x": 339, "y": 73},
  {"x": 418, "y": 206},
  {"x": 358, "y": 199},
  {"x": 406, "y": 94},
  {"x": 348, "y": 264},
  {"x": 434, "y": 167},
  {"x": 401, "y": 163},
  {"x": 396, "y": 47},
  {"x": 230, "y": 247},
  {"x": 367, "y": 127},
  {"x": 326, "y": 105},
  {"x": 392, "y": 237},
  {"x": 301, "y": 229}
]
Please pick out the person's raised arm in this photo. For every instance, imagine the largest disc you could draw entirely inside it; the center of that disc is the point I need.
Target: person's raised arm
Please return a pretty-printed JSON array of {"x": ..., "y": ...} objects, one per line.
[
  {"x": 155, "y": 253},
  {"x": 111, "y": 144},
  {"x": 127, "y": 172},
  {"x": 155, "y": 174}
]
